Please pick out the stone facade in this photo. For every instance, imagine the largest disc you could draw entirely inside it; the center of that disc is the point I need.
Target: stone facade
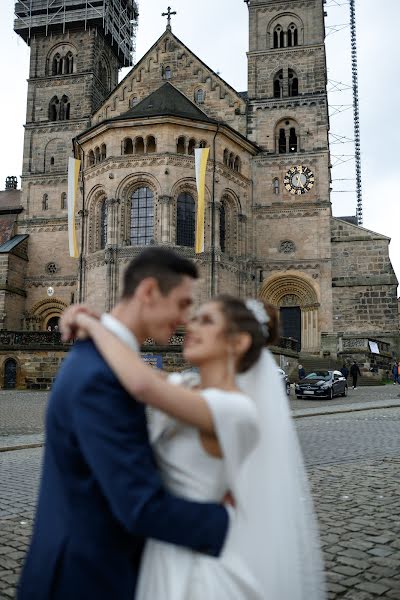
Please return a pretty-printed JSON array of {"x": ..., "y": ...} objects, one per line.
[{"x": 268, "y": 178}]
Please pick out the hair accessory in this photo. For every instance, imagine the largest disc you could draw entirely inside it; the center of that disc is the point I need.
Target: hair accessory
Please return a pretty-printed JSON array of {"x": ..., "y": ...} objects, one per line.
[{"x": 260, "y": 314}]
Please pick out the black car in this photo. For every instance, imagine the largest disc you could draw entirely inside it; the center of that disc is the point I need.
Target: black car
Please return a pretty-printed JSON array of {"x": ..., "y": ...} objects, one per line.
[
  {"x": 285, "y": 380},
  {"x": 322, "y": 384}
]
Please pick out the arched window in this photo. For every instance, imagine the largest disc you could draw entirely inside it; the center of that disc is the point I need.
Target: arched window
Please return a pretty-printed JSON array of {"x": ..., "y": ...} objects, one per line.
[
  {"x": 292, "y": 140},
  {"x": 128, "y": 146},
  {"x": 192, "y": 146},
  {"x": 203, "y": 144},
  {"x": 287, "y": 137},
  {"x": 226, "y": 157},
  {"x": 222, "y": 227},
  {"x": 151, "y": 144},
  {"x": 276, "y": 186},
  {"x": 200, "y": 96},
  {"x": 293, "y": 35},
  {"x": 103, "y": 152},
  {"x": 133, "y": 101},
  {"x": 64, "y": 108},
  {"x": 142, "y": 217},
  {"x": 139, "y": 145},
  {"x": 56, "y": 67},
  {"x": 45, "y": 202},
  {"x": 236, "y": 166},
  {"x": 167, "y": 73},
  {"x": 92, "y": 158},
  {"x": 97, "y": 154},
  {"x": 185, "y": 220},
  {"x": 282, "y": 141},
  {"x": 279, "y": 37},
  {"x": 63, "y": 200},
  {"x": 68, "y": 63},
  {"x": 231, "y": 160},
  {"x": 293, "y": 83},
  {"x": 278, "y": 84},
  {"x": 180, "y": 145},
  {"x": 103, "y": 224},
  {"x": 104, "y": 72},
  {"x": 54, "y": 109}
]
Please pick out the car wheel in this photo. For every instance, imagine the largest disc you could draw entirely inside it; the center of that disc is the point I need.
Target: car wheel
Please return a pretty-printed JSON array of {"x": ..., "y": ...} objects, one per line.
[
  {"x": 299, "y": 397},
  {"x": 331, "y": 394},
  {"x": 344, "y": 395},
  {"x": 288, "y": 389}
]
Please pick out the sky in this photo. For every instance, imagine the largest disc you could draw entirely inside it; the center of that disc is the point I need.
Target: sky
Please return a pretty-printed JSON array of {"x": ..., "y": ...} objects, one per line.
[{"x": 217, "y": 31}]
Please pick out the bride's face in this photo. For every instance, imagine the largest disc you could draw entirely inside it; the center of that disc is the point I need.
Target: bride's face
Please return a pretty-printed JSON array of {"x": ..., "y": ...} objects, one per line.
[{"x": 206, "y": 338}]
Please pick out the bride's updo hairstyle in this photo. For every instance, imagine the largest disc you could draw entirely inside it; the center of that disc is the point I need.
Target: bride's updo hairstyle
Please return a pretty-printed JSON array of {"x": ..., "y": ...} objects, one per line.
[{"x": 240, "y": 319}]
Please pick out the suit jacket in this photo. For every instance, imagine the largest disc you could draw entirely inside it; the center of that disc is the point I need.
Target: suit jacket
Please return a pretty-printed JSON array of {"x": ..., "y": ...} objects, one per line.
[{"x": 101, "y": 495}]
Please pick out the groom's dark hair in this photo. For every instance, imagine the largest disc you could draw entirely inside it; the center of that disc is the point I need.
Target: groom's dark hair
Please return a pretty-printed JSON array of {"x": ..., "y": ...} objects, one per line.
[{"x": 164, "y": 265}]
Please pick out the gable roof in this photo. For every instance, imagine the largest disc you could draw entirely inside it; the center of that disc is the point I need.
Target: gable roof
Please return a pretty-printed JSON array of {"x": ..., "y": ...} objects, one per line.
[
  {"x": 242, "y": 96},
  {"x": 167, "y": 101}
]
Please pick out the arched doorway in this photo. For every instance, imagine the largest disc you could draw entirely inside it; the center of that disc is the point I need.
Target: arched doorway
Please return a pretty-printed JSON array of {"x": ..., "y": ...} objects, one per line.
[
  {"x": 53, "y": 323},
  {"x": 10, "y": 374},
  {"x": 298, "y": 305}
]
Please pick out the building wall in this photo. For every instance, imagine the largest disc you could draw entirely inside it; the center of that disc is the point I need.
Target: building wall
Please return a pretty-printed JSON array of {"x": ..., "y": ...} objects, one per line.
[{"x": 364, "y": 282}]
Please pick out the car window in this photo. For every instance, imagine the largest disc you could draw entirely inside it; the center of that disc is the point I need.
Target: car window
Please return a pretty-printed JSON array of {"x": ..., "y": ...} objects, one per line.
[{"x": 320, "y": 375}]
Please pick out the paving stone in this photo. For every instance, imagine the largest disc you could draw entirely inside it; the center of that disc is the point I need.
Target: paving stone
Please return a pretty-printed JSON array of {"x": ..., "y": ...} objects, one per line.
[
  {"x": 374, "y": 588},
  {"x": 355, "y": 455}
]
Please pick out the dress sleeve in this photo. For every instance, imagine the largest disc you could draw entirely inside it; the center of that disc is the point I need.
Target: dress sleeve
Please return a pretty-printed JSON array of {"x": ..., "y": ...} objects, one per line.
[{"x": 236, "y": 425}]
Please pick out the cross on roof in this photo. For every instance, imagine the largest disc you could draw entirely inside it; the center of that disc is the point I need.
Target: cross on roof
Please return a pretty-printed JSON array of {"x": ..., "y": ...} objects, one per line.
[{"x": 168, "y": 15}]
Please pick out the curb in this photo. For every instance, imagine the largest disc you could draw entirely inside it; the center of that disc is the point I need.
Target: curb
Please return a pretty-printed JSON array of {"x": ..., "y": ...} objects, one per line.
[
  {"x": 317, "y": 413},
  {"x": 21, "y": 447},
  {"x": 344, "y": 410}
]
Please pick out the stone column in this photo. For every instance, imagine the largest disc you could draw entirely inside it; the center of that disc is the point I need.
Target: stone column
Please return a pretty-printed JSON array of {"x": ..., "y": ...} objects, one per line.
[
  {"x": 166, "y": 219},
  {"x": 242, "y": 235},
  {"x": 112, "y": 205},
  {"x": 111, "y": 251}
]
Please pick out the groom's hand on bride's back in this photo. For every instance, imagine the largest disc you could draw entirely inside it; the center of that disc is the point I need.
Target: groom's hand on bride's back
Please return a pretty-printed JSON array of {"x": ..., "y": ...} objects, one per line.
[{"x": 68, "y": 324}]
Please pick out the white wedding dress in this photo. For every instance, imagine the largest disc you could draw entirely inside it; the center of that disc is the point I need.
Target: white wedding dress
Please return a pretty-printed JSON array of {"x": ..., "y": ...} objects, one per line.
[{"x": 271, "y": 552}]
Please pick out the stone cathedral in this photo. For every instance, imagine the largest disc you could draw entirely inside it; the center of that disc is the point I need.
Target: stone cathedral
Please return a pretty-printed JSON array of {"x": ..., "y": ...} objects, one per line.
[{"x": 268, "y": 179}]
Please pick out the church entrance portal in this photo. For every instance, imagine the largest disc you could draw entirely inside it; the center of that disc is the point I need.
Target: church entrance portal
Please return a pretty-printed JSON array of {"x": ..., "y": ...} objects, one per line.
[
  {"x": 10, "y": 374},
  {"x": 291, "y": 323}
]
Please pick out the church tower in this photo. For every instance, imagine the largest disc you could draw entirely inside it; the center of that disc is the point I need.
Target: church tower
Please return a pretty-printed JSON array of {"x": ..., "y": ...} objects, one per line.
[
  {"x": 77, "y": 49},
  {"x": 288, "y": 118}
]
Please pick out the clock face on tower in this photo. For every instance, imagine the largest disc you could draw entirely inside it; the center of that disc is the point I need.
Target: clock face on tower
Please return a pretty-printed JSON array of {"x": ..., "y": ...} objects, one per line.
[{"x": 299, "y": 180}]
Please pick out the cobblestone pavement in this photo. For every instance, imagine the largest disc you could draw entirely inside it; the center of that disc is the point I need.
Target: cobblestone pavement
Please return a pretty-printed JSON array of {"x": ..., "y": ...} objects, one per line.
[{"x": 354, "y": 465}]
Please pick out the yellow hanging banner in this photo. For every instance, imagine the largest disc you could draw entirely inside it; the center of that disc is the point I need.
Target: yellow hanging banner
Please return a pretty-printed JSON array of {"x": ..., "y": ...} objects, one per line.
[
  {"x": 73, "y": 182},
  {"x": 201, "y": 158}
]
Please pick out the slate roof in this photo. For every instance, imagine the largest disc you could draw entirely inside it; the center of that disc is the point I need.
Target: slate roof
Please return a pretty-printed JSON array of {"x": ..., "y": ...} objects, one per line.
[
  {"x": 13, "y": 243},
  {"x": 166, "y": 101}
]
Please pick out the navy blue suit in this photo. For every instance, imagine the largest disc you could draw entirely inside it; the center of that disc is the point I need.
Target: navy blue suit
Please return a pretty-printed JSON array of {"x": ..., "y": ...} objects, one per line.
[{"x": 101, "y": 495}]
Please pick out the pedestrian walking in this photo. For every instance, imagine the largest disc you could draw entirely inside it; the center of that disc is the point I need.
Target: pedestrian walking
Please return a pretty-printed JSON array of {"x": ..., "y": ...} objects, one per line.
[
  {"x": 395, "y": 372},
  {"x": 355, "y": 372},
  {"x": 344, "y": 371}
]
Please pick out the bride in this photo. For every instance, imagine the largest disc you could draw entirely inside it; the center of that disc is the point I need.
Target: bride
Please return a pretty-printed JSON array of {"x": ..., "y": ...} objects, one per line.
[{"x": 228, "y": 430}]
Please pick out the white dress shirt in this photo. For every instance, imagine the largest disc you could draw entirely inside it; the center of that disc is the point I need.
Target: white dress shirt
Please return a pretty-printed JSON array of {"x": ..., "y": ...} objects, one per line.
[{"x": 120, "y": 330}]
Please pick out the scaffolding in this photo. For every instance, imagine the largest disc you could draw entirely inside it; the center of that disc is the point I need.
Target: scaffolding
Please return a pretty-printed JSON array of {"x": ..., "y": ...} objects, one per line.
[{"x": 116, "y": 18}]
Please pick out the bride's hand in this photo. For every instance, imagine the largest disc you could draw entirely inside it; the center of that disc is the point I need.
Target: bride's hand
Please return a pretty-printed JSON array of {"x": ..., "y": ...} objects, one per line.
[
  {"x": 68, "y": 325},
  {"x": 85, "y": 325}
]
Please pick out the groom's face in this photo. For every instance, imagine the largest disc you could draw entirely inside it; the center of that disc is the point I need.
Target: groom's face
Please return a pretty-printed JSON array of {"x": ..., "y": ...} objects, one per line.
[{"x": 165, "y": 313}]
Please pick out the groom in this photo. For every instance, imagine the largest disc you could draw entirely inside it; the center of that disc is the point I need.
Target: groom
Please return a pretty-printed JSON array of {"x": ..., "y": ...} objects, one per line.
[{"x": 101, "y": 495}]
